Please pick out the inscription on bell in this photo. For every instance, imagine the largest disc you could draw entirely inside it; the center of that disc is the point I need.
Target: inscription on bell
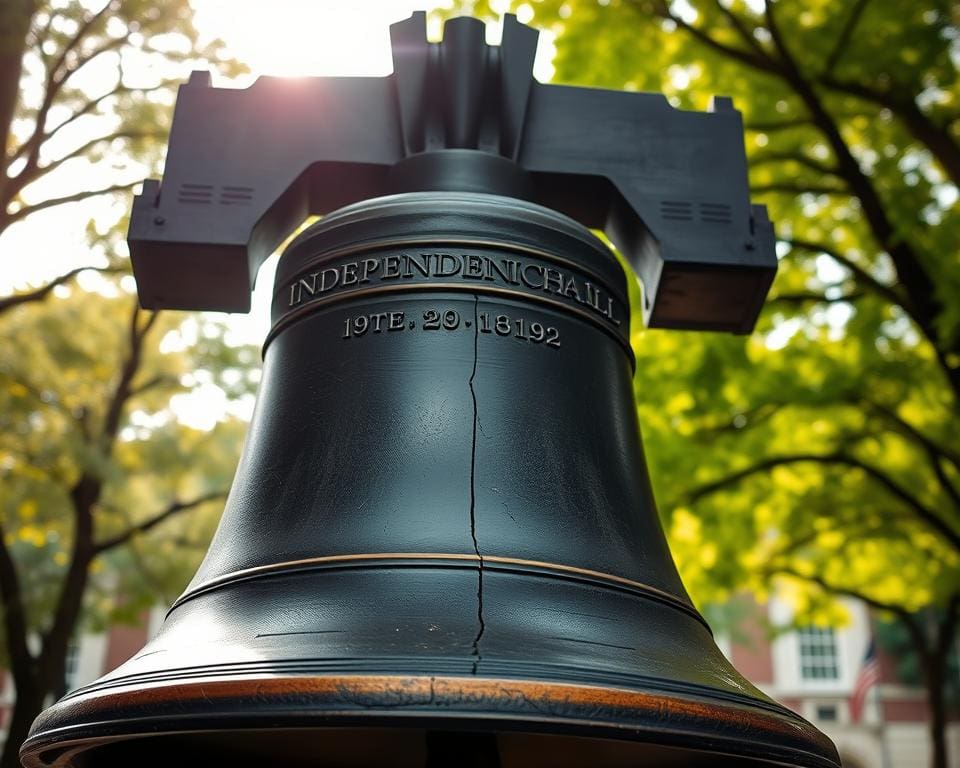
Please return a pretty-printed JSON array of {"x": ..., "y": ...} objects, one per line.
[{"x": 509, "y": 273}]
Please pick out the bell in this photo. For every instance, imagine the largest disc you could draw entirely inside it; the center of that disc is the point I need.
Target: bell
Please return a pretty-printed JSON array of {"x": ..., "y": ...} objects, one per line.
[{"x": 441, "y": 546}]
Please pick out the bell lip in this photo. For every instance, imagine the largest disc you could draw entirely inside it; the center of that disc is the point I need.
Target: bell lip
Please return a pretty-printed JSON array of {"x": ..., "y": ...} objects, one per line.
[{"x": 756, "y": 730}]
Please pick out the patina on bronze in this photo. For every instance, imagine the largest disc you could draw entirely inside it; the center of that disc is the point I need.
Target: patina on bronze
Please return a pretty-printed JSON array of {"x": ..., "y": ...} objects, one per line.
[{"x": 441, "y": 546}]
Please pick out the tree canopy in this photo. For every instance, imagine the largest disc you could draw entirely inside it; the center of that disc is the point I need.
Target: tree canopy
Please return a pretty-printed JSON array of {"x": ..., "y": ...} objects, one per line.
[{"x": 82, "y": 82}]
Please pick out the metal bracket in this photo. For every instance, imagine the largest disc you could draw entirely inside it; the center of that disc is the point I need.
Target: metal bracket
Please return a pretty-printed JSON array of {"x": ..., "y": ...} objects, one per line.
[{"x": 245, "y": 167}]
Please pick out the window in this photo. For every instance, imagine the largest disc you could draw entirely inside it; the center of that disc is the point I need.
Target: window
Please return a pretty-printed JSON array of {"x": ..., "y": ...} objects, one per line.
[
  {"x": 818, "y": 654},
  {"x": 71, "y": 663},
  {"x": 827, "y": 713}
]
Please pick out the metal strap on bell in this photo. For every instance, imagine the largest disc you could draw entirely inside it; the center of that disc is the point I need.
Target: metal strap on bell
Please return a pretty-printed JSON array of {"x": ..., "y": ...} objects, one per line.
[{"x": 441, "y": 546}]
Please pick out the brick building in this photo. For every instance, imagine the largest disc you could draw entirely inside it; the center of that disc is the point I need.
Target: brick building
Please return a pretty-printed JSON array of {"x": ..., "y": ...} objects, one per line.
[{"x": 812, "y": 671}]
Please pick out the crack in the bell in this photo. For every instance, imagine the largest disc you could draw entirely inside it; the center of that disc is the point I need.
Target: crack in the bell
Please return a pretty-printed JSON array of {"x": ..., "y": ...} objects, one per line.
[{"x": 473, "y": 491}]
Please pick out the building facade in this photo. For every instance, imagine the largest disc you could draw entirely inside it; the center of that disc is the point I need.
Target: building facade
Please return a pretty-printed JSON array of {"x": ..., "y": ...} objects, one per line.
[{"x": 814, "y": 672}]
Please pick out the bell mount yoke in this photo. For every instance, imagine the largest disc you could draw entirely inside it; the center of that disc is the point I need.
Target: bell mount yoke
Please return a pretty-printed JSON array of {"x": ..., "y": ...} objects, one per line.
[{"x": 245, "y": 167}]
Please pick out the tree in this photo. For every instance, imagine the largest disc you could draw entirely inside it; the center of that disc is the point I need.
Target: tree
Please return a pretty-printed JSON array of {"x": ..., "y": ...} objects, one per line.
[
  {"x": 94, "y": 459},
  {"x": 823, "y": 450},
  {"x": 57, "y": 129},
  {"x": 894, "y": 638},
  {"x": 96, "y": 468}
]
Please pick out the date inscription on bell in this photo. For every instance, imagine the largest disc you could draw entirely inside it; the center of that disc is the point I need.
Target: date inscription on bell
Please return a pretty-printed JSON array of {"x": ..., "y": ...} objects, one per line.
[{"x": 522, "y": 328}]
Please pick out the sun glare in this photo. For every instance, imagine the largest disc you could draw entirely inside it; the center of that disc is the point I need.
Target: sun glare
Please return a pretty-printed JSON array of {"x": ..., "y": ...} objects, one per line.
[
  {"x": 307, "y": 37},
  {"x": 290, "y": 38}
]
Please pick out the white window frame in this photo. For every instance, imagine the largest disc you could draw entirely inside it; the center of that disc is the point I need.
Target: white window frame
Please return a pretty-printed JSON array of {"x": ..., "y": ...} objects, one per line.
[
  {"x": 825, "y": 639},
  {"x": 852, "y": 641}
]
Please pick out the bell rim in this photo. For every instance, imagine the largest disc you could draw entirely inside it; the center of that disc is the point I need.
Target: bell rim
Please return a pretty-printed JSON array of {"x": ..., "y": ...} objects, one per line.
[{"x": 94, "y": 718}]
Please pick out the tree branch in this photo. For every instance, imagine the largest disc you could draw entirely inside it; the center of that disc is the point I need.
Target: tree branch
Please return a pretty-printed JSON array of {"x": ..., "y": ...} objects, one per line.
[
  {"x": 910, "y": 270},
  {"x": 834, "y": 589},
  {"x": 911, "y": 431},
  {"x": 16, "y": 17},
  {"x": 764, "y": 158},
  {"x": 37, "y": 37},
  {"x": 57, "y": 76},
  {"x": 155, "y": 381},
  {"x": 916, "y": 281},
  {"x": 843, "y": 39},
  {"x": 30, "y": 174},
  {"x": 896, "y": 490},
  {"x": 88, "y": 107},
  {"x": 39, "y": 294},
  {"x": 934, "y": 451},
  {"x": 124, "y": 388},
  {"x": 936, "y": 137},
  {"x": 753, "y": 417},
  {"x": 948, "y": 487},
  {"x": 884, "y": 531},
  {"x": 82, "y": 31},
  {"x": 804, "y": 297},
  {"x": 795, "y": 543},
  {"x": 84, "y": 496},
  {"x": 661, "y": 8},
  {"x": 737, "y": 23},
  {"x": 14, "y": 615},
  {"x": 111, "y": 44},
  {"x": 760, "y": 126},
  {"x": 119, "y": 89},
  {"x": 862, "y": 276},
  {"x": 798, "y": 188},
  {"x": 154, "y": 520},
  {"x": 27, "y": 210},
  {"x": 948, "y": 627}
]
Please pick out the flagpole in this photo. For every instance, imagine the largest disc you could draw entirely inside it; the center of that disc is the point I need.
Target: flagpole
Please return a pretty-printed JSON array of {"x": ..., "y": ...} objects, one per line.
[
  {"x": 866, "y": 692},
  {"x": 881, "y": 729}
]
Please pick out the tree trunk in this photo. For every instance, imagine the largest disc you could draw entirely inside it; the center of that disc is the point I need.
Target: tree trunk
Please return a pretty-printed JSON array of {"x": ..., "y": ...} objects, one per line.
[
  {"x": 28, "y": 705},
  {"x": 47, "y": 674},
  {"x": 934, "y": 672},
  {"x": 15, "y": 18}
]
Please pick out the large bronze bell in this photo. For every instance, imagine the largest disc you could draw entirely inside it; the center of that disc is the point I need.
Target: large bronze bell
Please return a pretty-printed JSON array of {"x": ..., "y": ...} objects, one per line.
[
  {"x": 441, "y": 524},
  {"x": 441, "y": 546}
]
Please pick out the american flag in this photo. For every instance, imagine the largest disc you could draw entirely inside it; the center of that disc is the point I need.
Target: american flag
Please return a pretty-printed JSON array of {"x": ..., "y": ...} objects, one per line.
[{"x": 868, "y": 677}]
